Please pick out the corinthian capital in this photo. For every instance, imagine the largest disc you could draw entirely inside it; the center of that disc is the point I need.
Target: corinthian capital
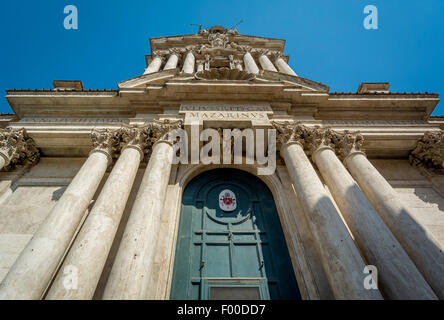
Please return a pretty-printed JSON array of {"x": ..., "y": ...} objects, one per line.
[
  {"x": 348, "y": 143},
  {"x": 319, "y": 138},
  {"x": 105, "y": 141},
  {"x": 276, "y": 54},
  {"x": 134, "y": 137},
  {"x": 291, "y": 133},
  {"x": 160, "y": 130},
  {"x": 17, "y": 148},
  {"x": 429, "y": 151}
]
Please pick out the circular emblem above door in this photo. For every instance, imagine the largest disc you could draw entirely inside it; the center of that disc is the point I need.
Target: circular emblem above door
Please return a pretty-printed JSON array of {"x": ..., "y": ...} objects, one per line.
[{"x": 227, "y": 200}]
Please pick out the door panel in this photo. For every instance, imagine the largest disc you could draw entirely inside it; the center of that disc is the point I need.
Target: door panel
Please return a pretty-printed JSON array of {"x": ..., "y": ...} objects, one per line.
[{"x": 241, "y": 253}]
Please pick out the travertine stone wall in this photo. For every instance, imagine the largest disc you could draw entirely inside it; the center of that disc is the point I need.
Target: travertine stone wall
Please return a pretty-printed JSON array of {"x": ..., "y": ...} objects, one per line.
[
  {"x": 417, "y": 192},
  {"x": 28, "y": 201}
]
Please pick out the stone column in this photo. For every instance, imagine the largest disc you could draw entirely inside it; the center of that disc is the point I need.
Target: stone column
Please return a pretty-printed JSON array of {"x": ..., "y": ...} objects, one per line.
[
  {"x": 154, "y": 65},
  {"x": 16, "y": 149},
  {"x": 172, "y": 61},
  {"x": 266, "y": 63},
  {"x": 188, "y": 65},
  {"x": 3, "y": 160},
  {"x": 200, "y": 65},
  {"x": 250, "y": 64},
  {"x": 282, "y": 65},
  {"x": 238, "y": 65},
  {"x": 341, "y": 259},
  {"x": 91, "y": 247},
  {"x": 419, "y": 244},
  {"x": 129, "y": 277},
  {"x": 397, "y": 273},
  {"x": 31, "y": 273}
]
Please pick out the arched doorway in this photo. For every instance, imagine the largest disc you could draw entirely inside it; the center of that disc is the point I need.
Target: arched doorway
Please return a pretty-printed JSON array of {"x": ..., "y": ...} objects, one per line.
[{"x": 230, "y": 243}]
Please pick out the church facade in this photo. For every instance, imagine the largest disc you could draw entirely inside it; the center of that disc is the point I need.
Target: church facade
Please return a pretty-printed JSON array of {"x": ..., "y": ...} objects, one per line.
[{"x": 219, "y": 173}]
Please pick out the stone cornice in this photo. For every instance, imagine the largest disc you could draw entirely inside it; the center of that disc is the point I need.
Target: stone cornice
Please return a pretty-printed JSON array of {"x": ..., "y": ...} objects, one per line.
[
  {"x": 429, "y": 151},
  {"x": 17, "y": 148}
]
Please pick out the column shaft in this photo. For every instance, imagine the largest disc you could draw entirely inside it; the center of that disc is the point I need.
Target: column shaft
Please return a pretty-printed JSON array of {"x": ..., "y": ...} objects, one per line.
[
  {"x": 172, "y": 62},
  {"x": 135, "y": 258},
  {"x": 399, "y": 276},
  {"x": 284, "y": 67},
  {"x": 419, "y": 244},
  {"x": 200, "y": 66},
  {"x": 3, "y": 160},
  {"x": 154, "y": 65},
  {"x": 341, "y": 260},
  {"x": 250, "y": 64},
  {"x": 90, "y": 250},
  {"x": 266, "y": 63},
  {"x": 188, "y": 65},
  {"x": 34, "y": 268}
]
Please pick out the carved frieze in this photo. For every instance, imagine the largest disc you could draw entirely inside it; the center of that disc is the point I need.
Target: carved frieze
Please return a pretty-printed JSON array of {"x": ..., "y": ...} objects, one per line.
[
  {"x": 17, "y": 148},
  {"x": 429, "y": 151}
]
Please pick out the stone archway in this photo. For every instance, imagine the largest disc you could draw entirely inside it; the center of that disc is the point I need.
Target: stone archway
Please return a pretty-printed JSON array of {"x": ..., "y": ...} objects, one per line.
[{"x": 309, "y": 273}]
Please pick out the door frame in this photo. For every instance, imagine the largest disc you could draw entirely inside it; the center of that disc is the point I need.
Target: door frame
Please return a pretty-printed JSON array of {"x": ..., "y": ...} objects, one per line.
[{"x": 310, "y": 276}]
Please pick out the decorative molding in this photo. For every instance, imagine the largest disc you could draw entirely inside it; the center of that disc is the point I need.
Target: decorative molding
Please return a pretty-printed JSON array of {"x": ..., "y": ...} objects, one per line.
[
  {"x": 224, "y": 74},
  {"x": 74, "y": 120},
  {"x": 429, "y": 151},
  {"x": 375, "y": 123},
  {"x": 17, "y": 148}
]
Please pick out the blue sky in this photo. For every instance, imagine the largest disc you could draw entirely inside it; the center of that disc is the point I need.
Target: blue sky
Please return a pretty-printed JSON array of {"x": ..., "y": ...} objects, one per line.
[{"x": 326, "y": 40}]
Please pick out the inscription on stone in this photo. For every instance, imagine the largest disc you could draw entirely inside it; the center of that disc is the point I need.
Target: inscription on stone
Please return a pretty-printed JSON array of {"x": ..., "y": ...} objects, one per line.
[{"x": 226, "y": 112}]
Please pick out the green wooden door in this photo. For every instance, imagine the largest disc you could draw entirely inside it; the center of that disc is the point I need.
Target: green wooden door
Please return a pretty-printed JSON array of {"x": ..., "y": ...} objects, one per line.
[{"x": 232, "y": 253}]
